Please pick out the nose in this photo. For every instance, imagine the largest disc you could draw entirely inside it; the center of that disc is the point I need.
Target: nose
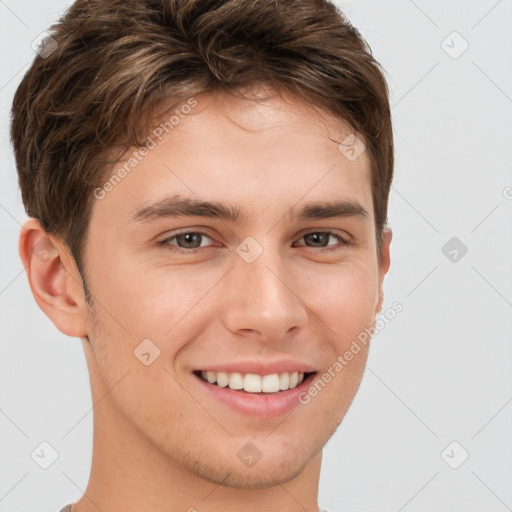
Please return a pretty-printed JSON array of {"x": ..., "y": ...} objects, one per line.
[{"x": 262, "y": 299}]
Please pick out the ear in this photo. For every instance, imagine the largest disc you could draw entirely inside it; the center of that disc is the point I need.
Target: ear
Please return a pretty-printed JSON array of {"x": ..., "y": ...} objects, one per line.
[
  {"x": 53, "y": 277},
  {"x": 384, "y": 263}
]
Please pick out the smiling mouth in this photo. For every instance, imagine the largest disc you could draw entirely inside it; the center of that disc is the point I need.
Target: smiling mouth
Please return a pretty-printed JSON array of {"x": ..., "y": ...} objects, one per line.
[{"x": 253, "y": 383}]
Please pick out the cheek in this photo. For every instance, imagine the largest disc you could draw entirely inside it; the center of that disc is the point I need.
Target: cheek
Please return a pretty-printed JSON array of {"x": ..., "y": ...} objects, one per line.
[
  {"x": 136, "y": 382},
  {"x": 148, "y": 301},
  {"x": 344, "y": 298},
  {"x": 155, "y": 312}
]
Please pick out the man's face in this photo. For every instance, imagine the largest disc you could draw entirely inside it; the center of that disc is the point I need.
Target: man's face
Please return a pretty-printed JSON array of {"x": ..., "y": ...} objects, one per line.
[{"x": 269, "y": 292}]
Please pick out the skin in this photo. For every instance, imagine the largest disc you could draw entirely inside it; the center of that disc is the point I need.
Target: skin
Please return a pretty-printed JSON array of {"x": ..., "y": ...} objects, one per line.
[{"x": 159, "y": 445}]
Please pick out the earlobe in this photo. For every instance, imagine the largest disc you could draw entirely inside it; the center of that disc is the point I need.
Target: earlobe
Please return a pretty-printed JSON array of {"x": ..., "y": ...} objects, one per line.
[{"x": 53, "y": 278}]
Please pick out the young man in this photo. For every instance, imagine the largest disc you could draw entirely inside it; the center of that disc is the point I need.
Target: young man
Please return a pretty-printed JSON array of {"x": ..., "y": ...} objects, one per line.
[{"x": 207, "y": 185}]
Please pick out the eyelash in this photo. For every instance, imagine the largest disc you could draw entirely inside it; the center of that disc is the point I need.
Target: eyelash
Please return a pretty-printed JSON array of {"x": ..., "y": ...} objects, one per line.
[{"x": 174, "y": 248}]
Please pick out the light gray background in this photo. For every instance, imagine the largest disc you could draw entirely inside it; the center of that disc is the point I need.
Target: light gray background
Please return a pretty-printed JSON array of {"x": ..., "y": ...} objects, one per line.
[{"x": 439, "y": 372}]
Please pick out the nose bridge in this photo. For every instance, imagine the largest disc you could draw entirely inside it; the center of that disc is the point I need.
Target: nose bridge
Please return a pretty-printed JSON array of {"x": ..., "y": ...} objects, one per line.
[{"x": 260, "y": 296}]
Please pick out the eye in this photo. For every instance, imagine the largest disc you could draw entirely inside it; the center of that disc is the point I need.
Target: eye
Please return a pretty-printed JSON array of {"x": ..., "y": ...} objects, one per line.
[
  {"x": 186, "y": 240},
  {"x": 189, "y": 241},
  {"x": 320, "y": 240}
]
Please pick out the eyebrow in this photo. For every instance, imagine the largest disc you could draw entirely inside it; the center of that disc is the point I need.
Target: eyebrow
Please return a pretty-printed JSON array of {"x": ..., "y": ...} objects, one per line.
[{"x": 173, "y": 207}]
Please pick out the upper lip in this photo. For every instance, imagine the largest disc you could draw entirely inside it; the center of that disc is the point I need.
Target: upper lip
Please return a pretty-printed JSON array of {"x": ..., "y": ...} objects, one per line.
[{"x": 260, "y": 367}]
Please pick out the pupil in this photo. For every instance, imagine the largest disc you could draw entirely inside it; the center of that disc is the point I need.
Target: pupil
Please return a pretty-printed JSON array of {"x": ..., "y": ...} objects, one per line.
[
  {"x": 189, "y": 239},
  {"x": 319, "y": 237}
]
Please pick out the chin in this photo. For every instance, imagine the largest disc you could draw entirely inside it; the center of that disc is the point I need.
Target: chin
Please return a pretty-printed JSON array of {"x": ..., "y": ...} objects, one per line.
[
  {"x": 262, "y": 481},
  {"x": 262, "y": 477},
  {"x": 282, "y": 467}
]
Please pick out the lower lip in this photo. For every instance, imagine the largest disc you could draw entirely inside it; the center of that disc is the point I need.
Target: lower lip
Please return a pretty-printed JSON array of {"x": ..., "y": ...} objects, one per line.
[{"x": 257, "y": 404}]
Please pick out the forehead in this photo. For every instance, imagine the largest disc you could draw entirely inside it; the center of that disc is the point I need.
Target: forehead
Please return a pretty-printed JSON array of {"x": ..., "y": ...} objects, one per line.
[
  {"x": 262, "y": 112},
  {"x": 268, "y": 150}
]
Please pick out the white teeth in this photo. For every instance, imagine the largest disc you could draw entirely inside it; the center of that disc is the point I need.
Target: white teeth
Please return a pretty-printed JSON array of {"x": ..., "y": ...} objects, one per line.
[
  {"x": 253, "y": 383},
  {"x": 222, "y": 379},
  {"x": 236, "y": 381},
  {"x": 270, "y": 383}
]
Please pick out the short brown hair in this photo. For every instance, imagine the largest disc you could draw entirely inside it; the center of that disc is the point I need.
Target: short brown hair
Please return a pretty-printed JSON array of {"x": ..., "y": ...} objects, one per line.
[{"x": 115, "y": 60}]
